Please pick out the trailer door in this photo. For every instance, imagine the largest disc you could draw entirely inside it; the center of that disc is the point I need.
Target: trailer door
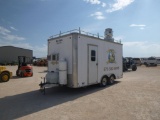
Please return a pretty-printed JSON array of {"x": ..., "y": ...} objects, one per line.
[{"x": 92, "y": 64}]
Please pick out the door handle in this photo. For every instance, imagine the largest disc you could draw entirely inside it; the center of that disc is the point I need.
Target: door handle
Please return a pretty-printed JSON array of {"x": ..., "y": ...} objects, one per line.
[{"x": 96, "y": 63}]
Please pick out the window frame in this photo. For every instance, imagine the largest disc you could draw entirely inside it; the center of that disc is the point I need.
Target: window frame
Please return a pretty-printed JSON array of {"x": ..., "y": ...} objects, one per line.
[{"x": 93, "y": 55}]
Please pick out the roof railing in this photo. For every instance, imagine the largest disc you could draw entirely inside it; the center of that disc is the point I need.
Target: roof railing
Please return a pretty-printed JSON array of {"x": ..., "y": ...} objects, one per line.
[{"x": 80, "y": 32}]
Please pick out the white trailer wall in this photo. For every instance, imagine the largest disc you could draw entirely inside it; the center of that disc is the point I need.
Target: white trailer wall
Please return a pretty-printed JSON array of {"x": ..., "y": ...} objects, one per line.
[
  {"x": 103, "y": 67},
  {"x": 62, "y": 46}
]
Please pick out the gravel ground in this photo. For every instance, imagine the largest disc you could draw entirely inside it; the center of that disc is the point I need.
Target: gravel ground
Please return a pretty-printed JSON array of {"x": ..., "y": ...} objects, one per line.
[{"x": 134, "y": 97}]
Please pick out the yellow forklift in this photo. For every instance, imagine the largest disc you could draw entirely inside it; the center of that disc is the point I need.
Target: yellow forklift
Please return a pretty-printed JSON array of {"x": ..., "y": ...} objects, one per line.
[{"x": 5, "y": 75}]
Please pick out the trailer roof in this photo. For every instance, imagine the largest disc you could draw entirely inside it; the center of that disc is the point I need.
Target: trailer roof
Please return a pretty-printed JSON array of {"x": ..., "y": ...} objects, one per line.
[{"x": 79, "y": 31}]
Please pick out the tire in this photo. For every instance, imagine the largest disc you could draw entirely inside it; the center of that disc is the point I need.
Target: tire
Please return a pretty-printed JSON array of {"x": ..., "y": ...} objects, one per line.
[
  {"x": 104, "y": 81},
  {"x": 134, "y": 68},
  {"x": 111, "y": 80},
  {"x": 5, "y": 77},
  {"x": 17, "y": 73},
  {"x": 32, "y": 75},
  {"x": 126, "y": 69},
  {"x": 22, "y": 75}
]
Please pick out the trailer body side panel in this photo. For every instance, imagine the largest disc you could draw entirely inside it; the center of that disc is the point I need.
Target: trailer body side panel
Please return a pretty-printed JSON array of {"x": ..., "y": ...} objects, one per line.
[{"x": 108, "y": 58}]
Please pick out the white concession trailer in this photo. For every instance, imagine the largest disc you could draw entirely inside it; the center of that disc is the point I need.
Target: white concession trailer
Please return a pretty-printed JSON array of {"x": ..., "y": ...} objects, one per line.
[{"x": 77, "y": 59}]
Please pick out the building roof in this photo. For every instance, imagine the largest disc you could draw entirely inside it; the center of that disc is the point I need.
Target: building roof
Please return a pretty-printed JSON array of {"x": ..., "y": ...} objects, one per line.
[{"x": 15, "y": 47}]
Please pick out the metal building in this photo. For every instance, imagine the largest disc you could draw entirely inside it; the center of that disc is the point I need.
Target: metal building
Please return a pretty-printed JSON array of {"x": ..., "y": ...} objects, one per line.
[{"x": 9, "y": 54}]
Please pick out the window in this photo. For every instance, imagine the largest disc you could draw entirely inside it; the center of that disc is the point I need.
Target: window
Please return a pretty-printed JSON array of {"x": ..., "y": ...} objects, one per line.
[
  {"x": 48, "y": 57},
  {"x": 93, "y": 55},
  {"x": 55, "y": 57}
]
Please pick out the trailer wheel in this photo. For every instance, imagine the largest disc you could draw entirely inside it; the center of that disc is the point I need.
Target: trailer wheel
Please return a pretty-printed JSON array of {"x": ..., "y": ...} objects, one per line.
[
  {"x": 111, "y": 79},
  {"x": 103, "y": 81},
  {"x": 4, "y": 77}
]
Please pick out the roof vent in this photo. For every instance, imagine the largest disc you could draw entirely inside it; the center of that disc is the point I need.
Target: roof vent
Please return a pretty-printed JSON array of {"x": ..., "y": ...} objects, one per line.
[{"x": 108, "y": 35}]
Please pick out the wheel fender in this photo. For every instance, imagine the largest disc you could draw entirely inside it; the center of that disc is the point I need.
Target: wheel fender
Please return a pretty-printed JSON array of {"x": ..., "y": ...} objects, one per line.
[
  {"x": 108, "y": 75},
  {"x": 104, "y": 76},
  {"x": 113, "y": 76},
  {"x": 6, "y": 71}
]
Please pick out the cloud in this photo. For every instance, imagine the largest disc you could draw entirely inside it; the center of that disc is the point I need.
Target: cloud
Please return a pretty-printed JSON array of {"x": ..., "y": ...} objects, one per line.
[
  {"x": 10, "y": 37},
  {"x": 4, "y": 31},
  {"x": 13, "y": 28},
  {"x": 137, "y": 25},
  {"x": 98, "y": 15},
  {"x": 5, "y": 34},
  {"x": 119, "y": 5},
  {"x": 93, "y": 1},
  {"x": 141, "y": 49},
  {"x": 140, "y": 26},
  {"x": 103, "y": 4},
  {"x": 96, "y": 2}
]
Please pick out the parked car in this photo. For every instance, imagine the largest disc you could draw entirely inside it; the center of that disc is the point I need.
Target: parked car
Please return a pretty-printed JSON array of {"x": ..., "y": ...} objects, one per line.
[
  {"x": 137, "y": 61},
  {"x": 158, "y": 60},
  {"x": 143, "y": 61},
  {"x": 151, "y": 61}
]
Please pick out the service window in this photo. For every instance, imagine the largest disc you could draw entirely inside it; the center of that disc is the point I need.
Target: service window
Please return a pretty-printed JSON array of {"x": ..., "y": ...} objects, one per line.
[{"x": 93, "y": 55}]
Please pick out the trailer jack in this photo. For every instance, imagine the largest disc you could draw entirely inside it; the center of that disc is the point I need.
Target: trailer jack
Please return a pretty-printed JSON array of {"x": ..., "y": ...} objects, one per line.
[{"x": 43, "y": 85}]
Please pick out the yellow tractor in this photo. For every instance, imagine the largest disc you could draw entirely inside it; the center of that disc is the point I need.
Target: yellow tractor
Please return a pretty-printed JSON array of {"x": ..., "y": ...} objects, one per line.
[{"x": 5, "y": 75}]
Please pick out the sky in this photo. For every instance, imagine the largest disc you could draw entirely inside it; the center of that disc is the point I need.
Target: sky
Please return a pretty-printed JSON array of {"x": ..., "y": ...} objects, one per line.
[{"x": 29, "y": 23}]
